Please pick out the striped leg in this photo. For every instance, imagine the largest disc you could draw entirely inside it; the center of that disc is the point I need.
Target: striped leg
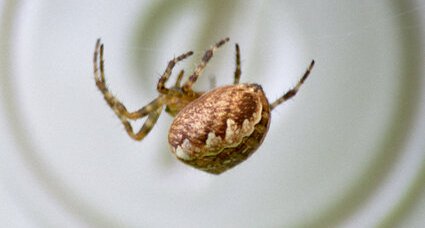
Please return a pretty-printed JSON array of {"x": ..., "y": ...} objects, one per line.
[
  {"x": 179, "y": 79},
  {"x": 113, "y": 102},
  {"x": 288, "y": 95},
  {"x": 161, "y": 83},
  {"x": 238, "y": 71},
  {"x": 153, "y": 109},
  {"x": 187, "y": 86},
  {"x": 146, "y": 128}
]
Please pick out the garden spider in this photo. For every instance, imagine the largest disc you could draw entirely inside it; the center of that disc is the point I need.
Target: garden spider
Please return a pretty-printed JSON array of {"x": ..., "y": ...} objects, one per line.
[{"x": 218, "y": 129}]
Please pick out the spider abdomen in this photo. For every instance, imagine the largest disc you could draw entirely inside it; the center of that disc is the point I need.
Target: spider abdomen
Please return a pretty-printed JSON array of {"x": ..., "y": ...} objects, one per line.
[{"x": 221, "y": 128}]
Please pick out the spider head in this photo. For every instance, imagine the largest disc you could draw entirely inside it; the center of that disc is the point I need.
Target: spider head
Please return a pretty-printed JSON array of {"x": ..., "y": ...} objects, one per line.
[
  {"x": 172, "y": 109},
  {"x": 177, "y": 100}
]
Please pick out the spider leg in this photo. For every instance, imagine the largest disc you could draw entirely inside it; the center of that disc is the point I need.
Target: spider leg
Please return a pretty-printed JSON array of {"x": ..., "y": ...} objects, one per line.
[
  {"x": 99, "y": 78},
  {"x": 187, "y": 86},
  {"x": 142, "y": 112},
  {"x": 161, "y": 83},
  {"x": 146, "y": 128},
  {"x": 179, "y": 79},
  {"x": 288, "y": 95},
  {"x": 95, "y": 65},
  {"x": 238, "y": 71},
  {"x": 113, "y": 102}
]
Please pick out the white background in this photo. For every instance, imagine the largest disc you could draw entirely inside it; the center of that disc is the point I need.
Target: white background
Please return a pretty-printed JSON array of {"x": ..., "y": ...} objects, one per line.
[{"x": 347, "y": 151}]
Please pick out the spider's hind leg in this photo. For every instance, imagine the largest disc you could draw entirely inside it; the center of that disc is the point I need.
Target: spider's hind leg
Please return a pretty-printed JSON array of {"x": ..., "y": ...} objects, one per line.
[
  {"x": 238, "y": 71},
  {"x": 291, "y": 93}
]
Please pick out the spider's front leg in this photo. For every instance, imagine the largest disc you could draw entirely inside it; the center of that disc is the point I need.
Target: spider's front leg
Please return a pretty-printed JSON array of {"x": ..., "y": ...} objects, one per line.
[
  {"x": 187, "y": 86},
  {"x": 152, "y": 110},
  {"x": 113, "y": 102},
  {"x": 146, "y": 128},
  {"x": 161, "y": 83}
]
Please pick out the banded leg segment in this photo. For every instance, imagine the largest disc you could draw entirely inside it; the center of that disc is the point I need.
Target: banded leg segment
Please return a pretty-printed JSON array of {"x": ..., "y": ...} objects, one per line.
[
  {"x": 238, "y": 70},
  {"x": 161, "y": 83},
  {"x": 113, "y": 102},
  {"x": 152, "y": 110},
  {"x": 179, "y": 79},
  {"x": 145, "y": 129},
  {"x": 100, "y": 80},
  {"x": 288, "y": 95},
  {"x": 187, "y": 86}
]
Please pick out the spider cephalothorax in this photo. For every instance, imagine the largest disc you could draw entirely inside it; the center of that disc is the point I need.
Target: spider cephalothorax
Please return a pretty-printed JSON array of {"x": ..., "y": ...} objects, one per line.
[{"x": 212, "y": 131}]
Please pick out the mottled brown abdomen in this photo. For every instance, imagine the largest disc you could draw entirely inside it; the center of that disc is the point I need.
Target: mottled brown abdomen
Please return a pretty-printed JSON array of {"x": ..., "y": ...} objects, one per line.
[{"x": 221, "y": 128}]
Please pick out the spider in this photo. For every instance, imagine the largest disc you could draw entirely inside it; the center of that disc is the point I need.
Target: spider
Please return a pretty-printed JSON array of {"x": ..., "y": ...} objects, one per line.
[{"x": 213, "y": 130}]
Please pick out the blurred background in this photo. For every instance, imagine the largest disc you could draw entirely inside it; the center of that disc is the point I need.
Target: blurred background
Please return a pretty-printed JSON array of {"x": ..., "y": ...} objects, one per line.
[{"x": 347, "y": 151}]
